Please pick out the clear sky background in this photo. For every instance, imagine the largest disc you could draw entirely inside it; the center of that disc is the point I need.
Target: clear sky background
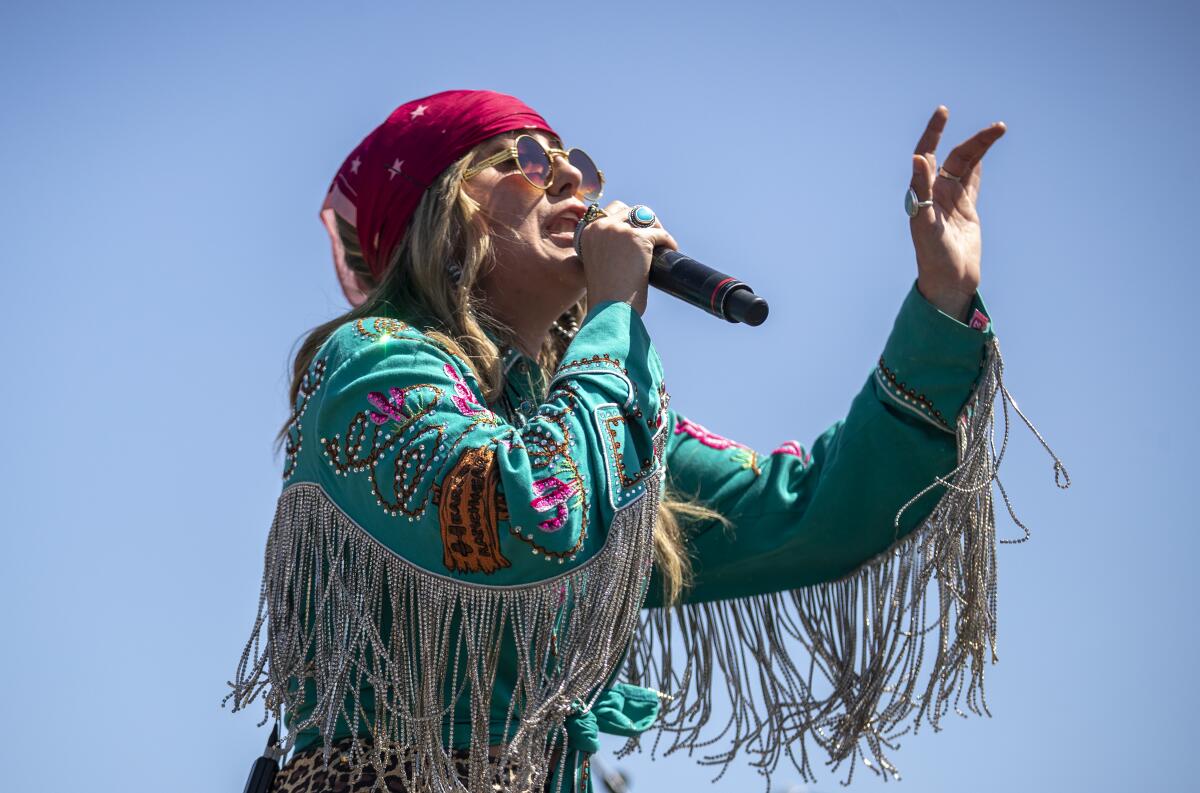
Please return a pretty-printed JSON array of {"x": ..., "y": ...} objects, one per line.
[{"x": 164, "y": 165}]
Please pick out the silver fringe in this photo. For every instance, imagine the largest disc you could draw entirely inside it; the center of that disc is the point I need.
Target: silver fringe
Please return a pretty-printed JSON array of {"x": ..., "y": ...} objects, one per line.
[
  {"x": 857, "y": 686},
  {"x": 325, "y": 585}
]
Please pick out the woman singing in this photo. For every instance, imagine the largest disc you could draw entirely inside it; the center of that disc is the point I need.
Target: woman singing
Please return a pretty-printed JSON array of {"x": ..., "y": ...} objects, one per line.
[{"x": 495, "y": 539}]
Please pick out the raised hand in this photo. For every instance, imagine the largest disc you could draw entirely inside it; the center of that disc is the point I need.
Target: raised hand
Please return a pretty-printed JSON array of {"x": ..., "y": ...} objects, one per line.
[{"x": 946, "y": 234}]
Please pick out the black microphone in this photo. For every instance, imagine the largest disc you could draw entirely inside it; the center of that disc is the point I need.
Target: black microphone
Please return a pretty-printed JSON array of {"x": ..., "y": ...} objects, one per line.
[
  {"x": 712, "y": 290},
  {"x": 687, "y": 279}
]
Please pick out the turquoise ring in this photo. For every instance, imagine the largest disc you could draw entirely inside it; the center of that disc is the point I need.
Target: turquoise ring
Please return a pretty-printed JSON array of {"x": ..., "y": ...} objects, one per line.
[
  {"x": 911, "y": 205},
  {"x": 641, "y": 216}
]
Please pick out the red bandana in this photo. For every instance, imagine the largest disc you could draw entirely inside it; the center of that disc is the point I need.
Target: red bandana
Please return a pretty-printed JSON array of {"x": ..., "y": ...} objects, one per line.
[{"x": 379, "y": 185}]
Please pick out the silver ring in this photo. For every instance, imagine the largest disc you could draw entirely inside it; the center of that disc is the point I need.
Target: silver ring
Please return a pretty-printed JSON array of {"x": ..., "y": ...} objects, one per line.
[
  {"x": 593, "y": 212},
  {"x": 641, "y": 216},
  {"x": 942, "y": 172},
  {"x": 911, "y": 205}
]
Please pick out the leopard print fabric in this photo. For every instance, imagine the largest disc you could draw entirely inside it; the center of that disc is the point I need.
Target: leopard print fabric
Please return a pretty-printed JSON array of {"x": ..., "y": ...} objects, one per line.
[{"x": 305, "y": 773}]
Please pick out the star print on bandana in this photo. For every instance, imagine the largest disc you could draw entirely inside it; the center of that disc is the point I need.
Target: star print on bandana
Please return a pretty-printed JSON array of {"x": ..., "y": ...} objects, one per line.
[
  {"x": 395, "y": 169},
  {"x": 418, "y": 111},
  {"x": 354, "y": 165}
]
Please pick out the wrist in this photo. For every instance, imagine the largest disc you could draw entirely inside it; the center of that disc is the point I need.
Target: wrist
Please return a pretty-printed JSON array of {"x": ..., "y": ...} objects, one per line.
[
  {"x": 632, "y": 298},
  {"x": 953, "y": 302},
  {"x": 932, "y": 362}
]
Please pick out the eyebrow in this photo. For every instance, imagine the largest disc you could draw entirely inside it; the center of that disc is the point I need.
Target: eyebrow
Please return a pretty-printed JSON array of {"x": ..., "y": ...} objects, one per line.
[
  {"x": 555, "y": 141},
  {"x": 509, "y": 142}
]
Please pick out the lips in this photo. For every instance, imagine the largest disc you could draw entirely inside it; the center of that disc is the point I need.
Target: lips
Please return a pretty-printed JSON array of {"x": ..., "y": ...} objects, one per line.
[{"x": 565, "y": 221}]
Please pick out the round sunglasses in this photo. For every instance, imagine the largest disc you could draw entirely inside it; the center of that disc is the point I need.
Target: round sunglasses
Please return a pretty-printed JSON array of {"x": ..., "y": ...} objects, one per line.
[{"x": 537, "y": 165}]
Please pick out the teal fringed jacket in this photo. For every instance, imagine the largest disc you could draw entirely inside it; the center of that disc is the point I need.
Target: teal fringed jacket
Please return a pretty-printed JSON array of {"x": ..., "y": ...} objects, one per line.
[{"x": 489, "y": 566}]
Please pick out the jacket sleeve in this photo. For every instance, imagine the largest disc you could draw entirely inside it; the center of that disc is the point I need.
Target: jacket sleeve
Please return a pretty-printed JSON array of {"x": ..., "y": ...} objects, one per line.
[
  {"x": 824, "y": 622},
  {"x": 804, "y": 515},
  {"x": 410, "y": 451}
]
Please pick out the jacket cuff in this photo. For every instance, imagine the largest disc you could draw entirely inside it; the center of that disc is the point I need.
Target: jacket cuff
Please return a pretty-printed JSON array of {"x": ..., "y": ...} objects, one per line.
[
  {"x": 932, "y": 362},
  {"x": 613, "y": 337},
  {"x": 613, "y": 340}
]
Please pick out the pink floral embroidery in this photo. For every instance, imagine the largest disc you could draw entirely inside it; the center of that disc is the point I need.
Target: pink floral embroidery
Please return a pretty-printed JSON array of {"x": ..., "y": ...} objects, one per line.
[
  {"x": 389, "y": 409},
  {"x": 462, "y": 397},
  {"x": 742, "y": 454},
  {"x": 553, "y": 493},
  {"x": 795, "y": 449},
  {"x": 706, "y": 436}
]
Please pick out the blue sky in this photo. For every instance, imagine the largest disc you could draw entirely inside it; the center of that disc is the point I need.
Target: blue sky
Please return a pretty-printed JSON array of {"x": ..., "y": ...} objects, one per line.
[{"x": 162, "y": 253}]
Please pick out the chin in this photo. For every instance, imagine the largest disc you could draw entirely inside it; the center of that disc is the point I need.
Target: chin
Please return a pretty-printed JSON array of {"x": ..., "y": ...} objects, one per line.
[
  {"x": 564, "y": 274},
  {"x": 573, "y": 266},
  {"x": 563, "y": 260}
]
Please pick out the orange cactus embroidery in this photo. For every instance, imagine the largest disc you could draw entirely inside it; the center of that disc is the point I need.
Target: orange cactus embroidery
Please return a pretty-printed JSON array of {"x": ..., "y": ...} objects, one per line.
[{"x": 470, "y": 508}]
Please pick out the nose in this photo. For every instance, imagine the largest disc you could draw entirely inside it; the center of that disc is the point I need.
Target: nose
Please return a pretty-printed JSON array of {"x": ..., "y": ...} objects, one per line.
[{"x": 567, "y": 177}]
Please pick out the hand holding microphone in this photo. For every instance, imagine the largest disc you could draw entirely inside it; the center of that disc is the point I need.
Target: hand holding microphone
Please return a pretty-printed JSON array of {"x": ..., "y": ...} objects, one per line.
[
  {"x": 634, "y": 250},
  {"x": 618, "y": 254}
]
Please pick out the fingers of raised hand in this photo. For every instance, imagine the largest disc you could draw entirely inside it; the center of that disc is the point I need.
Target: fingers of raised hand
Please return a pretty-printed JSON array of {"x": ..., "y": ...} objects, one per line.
[
  {"x": 970, "y": 182},
  {"x": 968, "y": 153},
  {"x": 928, "y": 143},
  {"x": 922, "y": 185}
]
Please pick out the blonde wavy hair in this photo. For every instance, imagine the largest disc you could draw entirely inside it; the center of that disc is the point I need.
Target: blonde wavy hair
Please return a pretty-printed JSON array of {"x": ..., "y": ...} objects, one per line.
[{"x": 435, "y": 271}]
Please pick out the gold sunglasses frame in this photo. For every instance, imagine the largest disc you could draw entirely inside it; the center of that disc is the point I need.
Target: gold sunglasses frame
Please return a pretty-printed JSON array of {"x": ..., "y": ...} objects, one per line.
[{"x": 511, "y": 153}]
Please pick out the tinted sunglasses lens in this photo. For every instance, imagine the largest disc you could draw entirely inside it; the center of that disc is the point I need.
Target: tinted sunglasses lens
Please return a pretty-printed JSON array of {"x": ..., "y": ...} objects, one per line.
[
  {"x": 534, "y": 161},
  {"x": 590, "y": 184}
]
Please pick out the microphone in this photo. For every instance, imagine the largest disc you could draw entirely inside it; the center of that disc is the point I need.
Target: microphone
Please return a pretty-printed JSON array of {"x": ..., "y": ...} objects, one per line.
[
  {"x": 687, "y": 279},
  {"x": 711, "y": 290}
]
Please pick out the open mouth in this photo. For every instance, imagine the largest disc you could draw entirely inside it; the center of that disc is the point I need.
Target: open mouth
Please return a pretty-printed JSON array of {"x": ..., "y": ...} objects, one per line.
[
  {"x": 562, "y": 225},
  {"x": 561, "y": 230}
]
